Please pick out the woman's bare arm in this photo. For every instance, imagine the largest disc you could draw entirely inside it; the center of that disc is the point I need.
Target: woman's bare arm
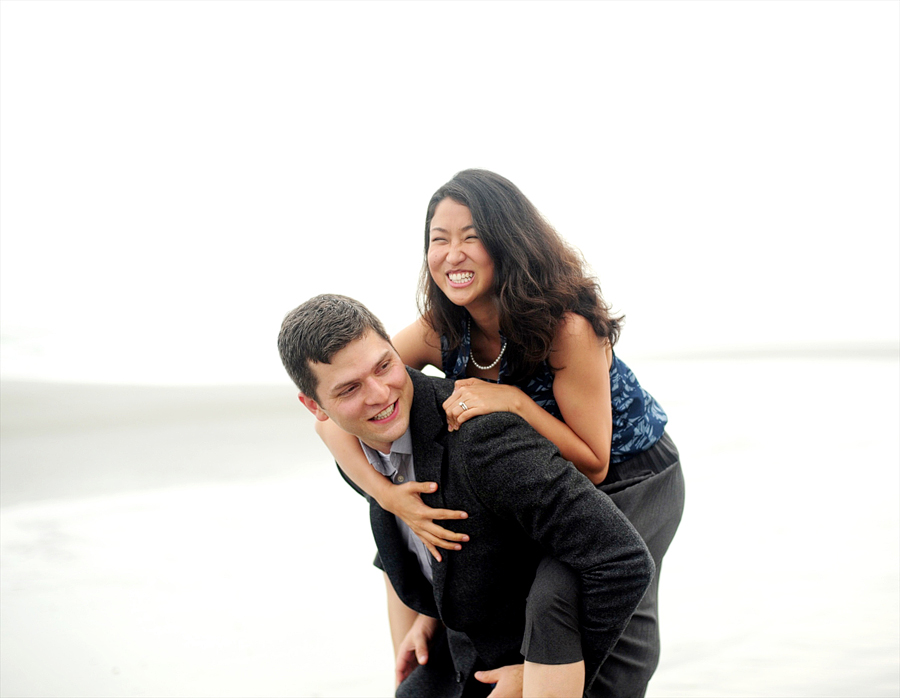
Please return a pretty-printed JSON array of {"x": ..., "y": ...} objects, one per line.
[
  {"x": 403, "y": 500},
  {"x": 581, "y": 388},
  {"x": 418, "y": 345}
]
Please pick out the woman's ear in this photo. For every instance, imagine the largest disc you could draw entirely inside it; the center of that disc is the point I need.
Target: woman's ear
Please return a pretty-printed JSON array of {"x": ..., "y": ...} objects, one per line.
[{"x": 313, "y": 407}]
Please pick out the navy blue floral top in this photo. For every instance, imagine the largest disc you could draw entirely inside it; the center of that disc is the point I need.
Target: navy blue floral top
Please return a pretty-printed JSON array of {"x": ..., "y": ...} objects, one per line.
[{"x": 638, "y": 420}]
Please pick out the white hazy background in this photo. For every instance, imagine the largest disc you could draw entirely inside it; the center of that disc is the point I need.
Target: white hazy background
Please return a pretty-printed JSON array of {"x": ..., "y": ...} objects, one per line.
[{"x": 176, "y": 176}]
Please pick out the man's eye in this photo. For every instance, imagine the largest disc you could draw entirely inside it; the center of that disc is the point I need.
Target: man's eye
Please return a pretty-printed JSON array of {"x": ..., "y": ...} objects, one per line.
[{"x": 348, "y": 391}]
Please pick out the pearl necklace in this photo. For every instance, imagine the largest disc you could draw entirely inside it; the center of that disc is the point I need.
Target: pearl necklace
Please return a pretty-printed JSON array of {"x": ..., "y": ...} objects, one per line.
[{"x": 472, "y": 355}]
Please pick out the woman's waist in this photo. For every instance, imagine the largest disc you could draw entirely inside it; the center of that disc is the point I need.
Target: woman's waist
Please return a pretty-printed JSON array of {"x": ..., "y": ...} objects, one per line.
[{"x": 662, "y": 454}]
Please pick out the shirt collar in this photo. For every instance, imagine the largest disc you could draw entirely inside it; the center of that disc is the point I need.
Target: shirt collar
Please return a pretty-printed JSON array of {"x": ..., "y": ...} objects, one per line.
[{"x": 384, "y": 463}]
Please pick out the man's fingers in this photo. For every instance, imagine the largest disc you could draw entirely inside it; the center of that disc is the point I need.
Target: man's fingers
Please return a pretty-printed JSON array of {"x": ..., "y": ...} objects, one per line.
[
  {"x": 406, "y": 662},
  {"x": 410, "y": 659},
  {"x": 487, "y": 676},
  {"x": 421, "y": 650}
]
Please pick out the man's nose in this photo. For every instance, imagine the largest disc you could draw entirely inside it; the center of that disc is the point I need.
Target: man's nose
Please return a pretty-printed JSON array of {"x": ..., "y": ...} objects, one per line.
[{"x": 377, "y": 391}]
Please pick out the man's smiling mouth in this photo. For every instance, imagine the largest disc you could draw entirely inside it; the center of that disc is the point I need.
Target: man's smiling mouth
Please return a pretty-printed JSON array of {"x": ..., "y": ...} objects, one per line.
[{"x": 385, "y": 413}]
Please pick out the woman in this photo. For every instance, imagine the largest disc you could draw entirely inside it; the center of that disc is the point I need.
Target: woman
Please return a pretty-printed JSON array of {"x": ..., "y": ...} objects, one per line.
[{"x": 508, "y": 310}]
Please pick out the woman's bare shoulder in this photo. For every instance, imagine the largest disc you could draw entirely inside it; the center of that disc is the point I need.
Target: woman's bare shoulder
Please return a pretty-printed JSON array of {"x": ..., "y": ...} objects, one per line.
[
  {"x": 575, "y": 334},
  {"x": 418, "y": 345}
]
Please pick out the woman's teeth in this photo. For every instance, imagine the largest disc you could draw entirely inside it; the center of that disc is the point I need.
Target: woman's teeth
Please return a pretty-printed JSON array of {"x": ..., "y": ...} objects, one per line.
[
  {"x": 461, "y": 277},
  {"x": 385, "y": 413}
]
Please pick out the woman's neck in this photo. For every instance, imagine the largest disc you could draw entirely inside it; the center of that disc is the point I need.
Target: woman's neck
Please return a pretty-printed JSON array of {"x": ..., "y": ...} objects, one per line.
[{"x": 486, "y": 319}]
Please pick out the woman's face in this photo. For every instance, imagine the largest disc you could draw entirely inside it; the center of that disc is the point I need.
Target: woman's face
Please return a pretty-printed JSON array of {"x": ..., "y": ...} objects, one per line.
[{"x": 457, "y": 259}]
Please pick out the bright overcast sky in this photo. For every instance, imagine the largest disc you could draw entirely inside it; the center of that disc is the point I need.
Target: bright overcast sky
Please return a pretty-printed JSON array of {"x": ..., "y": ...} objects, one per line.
[{"x": 175, "y": 176}]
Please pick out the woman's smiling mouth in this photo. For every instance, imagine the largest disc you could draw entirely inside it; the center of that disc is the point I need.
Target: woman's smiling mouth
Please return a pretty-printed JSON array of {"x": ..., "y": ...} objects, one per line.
[{"x": 460, "y": 278}]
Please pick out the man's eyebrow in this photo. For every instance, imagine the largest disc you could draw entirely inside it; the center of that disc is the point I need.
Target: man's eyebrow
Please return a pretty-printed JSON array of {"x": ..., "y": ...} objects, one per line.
[{"x": 340, "y": 386}]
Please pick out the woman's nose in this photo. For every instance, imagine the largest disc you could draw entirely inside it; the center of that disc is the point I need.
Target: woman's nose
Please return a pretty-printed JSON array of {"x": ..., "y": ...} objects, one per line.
[{"x": 456, "y": 254}]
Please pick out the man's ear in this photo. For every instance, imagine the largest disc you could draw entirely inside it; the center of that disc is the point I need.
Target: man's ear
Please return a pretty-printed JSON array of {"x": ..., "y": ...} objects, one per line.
[{"x": 313, "y": 407}]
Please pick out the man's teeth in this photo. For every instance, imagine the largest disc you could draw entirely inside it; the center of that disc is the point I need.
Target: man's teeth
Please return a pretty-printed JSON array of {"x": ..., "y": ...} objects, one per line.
[
  {"x": 461, "y": 277},
  {"x": 385, "y": 413}
]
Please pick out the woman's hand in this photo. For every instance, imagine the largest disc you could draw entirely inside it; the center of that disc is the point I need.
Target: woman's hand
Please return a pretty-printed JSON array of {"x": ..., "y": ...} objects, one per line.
[
  {"x": 480, "y": 397},
  {"x": 507, "y": 680},
  {"x": 405, "y": 501},
  {"x": 413, "y": 649}
]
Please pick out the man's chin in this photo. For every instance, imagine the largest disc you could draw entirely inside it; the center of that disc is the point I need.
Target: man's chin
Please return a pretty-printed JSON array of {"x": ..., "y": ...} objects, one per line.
[{"x": 390, "y": 432}]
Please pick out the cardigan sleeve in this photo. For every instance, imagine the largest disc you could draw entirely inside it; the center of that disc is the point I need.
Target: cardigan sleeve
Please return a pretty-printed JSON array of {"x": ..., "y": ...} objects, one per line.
[{"x": 520, "y": 477}]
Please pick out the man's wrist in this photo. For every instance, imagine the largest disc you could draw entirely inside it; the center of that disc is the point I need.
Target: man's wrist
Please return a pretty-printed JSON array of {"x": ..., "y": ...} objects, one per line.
[{"x": 426, "y": 624}]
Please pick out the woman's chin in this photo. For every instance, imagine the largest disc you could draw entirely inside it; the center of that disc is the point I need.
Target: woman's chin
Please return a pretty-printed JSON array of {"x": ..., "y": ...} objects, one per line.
[{"x": 461, "y": 296}]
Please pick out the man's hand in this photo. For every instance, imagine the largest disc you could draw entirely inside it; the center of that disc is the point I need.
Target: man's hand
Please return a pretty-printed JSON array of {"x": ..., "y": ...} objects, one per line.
[
  {"x": 413, "y": 649},
  {"x": 405, "y": 501},
  {"x": 507, "y": 680}
]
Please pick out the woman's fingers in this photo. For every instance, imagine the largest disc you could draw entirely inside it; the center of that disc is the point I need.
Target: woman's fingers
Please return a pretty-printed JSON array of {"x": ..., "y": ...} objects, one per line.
[
  {"x": 421, "y": 518},
  {"x": 444, "y": 535},
  {"x": 446, "y": 515},
  {"x": 456, "y": 413},
  {"x": 440, "y": 543},
  {"x": 466, "y": 415},
  {"x": 433, "y": 542},
  {"x": 472, "y": 397},
  {"x": 416, "y": 486},
  {"x": 453, "y": 408},
  {"x": 433, "y": 550}
]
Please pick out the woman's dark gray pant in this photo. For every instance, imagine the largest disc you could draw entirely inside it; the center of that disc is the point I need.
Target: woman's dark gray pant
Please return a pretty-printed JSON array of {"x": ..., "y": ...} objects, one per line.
[{"x": 649, "y": 490}]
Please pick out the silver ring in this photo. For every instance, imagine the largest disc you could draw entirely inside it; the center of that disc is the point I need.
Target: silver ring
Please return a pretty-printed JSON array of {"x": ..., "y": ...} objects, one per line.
[{"x": 464, "y": 406}]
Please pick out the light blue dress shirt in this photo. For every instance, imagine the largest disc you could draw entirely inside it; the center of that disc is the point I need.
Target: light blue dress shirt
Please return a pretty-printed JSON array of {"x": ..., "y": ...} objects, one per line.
[{"x": 399, "y": 467}]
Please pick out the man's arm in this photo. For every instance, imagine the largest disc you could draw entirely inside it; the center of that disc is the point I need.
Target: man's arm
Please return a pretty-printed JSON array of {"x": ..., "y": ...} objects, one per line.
[
  {"x": 411, "y": 634},
  {"x": 400, "y": 616},
  {"x": 521, "y": 477}
]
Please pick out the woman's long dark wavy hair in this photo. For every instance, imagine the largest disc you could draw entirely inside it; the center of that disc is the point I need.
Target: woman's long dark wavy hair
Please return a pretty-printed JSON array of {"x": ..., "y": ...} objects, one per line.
[{"x": 538, "y": 277}]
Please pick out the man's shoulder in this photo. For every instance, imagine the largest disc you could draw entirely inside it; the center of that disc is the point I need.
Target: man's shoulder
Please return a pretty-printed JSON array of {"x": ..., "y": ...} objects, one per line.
[
  {"x": 495, "y": 422},
  {"x": 503, "y": 433},
  {"x": 442, "y": 387}
]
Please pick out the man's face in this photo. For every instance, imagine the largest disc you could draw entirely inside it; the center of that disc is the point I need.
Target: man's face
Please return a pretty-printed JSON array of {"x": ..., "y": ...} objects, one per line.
[{"x": 366, "y": 391}]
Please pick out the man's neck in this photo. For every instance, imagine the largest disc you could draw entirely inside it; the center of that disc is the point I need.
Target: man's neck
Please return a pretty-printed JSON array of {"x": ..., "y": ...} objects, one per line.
[
  {"x": 381, "y": 446},
  {"x": 403, "y": 444}
]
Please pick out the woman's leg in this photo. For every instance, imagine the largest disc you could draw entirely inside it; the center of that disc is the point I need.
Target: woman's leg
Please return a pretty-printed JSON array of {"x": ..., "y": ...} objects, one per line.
[
  {"x": 553, "y": 680},
  {"x": 654, "y": 506},
  {"x": 554, "y": 664}
]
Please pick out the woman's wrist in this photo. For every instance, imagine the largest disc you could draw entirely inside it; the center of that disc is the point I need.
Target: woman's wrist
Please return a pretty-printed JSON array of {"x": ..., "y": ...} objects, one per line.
[
  {"x": 383, "y": 491},
  {"x": 520, "y": 403},
  {"x": 511, "y": 400}
]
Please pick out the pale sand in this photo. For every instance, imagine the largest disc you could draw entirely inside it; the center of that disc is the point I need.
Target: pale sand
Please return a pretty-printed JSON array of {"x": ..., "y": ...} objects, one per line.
[{"x": 199, "y": 542}]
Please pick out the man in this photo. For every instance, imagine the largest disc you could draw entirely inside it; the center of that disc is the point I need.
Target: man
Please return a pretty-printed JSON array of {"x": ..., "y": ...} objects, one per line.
[{"x": 523, "y": 499}]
